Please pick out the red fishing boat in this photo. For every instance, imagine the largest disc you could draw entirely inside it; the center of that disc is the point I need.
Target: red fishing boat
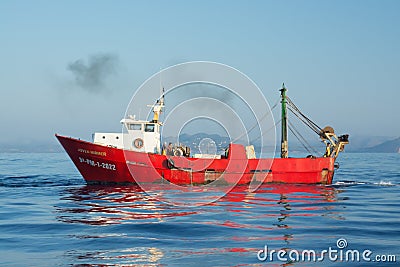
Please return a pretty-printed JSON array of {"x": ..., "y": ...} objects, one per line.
[{"x": 136, "y": 156}]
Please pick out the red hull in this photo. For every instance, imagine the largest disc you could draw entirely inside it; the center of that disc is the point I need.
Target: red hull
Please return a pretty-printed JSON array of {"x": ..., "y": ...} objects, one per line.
[{"x": 101, "y": 164}]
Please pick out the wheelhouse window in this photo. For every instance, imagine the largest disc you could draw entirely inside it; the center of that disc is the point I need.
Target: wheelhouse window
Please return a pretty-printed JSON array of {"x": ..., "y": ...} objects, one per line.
[
  {"x": 135, "y": 126},
  {"x": 149, "y": 128}
]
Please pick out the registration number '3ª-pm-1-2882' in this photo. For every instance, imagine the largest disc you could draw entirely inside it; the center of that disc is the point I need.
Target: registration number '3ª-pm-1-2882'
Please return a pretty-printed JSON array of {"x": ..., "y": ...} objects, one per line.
[{"x": 94, "y": 163}]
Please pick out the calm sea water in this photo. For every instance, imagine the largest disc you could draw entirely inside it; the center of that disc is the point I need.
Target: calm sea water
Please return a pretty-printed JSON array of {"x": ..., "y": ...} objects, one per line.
[{"x": 50, "y": 217}]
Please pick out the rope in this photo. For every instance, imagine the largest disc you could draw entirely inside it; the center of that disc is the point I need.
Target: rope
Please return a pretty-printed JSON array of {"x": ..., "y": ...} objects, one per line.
[
  {"x": 309, "y": 122},
  {"x": 266, "y": 131},
  {"x": 256, "y": 124},
  {"x": 303, "y": 120},
  {"x": 290, "y": 129},
  {"x": 298, "y": 135},
  {"x": 263, "y": 133}
]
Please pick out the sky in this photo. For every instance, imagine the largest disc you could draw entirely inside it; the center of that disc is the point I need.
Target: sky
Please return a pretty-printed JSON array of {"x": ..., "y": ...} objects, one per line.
[{"x": 71, "y": 67}]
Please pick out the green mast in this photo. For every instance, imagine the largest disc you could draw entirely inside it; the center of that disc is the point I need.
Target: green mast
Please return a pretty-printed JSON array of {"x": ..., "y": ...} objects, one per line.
[{"x": 284, "y": 123}]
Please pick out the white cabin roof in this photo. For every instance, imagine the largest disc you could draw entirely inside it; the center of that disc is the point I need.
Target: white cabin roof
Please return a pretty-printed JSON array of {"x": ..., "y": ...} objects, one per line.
[{"x": 128, "y": 120}]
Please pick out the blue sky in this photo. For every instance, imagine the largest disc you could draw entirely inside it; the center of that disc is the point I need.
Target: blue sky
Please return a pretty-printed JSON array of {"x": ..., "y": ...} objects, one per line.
[{"x": 339, "y": 59}]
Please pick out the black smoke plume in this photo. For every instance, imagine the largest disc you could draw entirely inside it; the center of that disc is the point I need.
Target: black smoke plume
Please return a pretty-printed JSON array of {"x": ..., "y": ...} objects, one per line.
[{"x": 92, "y": 76}]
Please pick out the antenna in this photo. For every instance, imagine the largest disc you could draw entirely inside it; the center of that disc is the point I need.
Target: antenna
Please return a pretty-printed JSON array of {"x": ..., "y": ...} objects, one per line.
[
  {"x": 161, "y": 89},
  {"x": 158, "y": 105}
]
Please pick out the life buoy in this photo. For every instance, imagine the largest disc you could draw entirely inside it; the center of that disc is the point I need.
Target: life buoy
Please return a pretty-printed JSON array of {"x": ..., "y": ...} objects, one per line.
[
  {"x": 178, "y": 152},
  {"x": 138, "y": 143}
]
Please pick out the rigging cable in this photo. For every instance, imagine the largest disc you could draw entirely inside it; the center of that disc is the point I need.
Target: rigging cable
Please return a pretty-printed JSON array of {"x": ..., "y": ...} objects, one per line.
[
  {"x": 301, "y": 139},
  {"x": 257, "y": 124},
  {"x": 307, "y": 121},
  {"x": 266, "y": 131},
  {"x": 301, "y": 113},
  {"x": 304, "y": 120}
]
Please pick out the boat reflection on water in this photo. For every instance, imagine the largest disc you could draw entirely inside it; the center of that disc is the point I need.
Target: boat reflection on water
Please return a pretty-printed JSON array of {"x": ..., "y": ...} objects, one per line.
[
  {"x": 141, "y": 229},
  {"x": 103, "y": 205}
]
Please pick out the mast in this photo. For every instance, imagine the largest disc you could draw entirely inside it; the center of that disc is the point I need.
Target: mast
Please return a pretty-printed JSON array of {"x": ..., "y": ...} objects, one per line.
[
  {"x": 284, "y": 124},
  {"x": 157, "y": 107}
]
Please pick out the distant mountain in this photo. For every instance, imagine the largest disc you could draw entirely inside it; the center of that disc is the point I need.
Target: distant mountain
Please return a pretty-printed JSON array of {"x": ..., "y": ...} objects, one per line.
[
  {"x": 391, "y": 146},
  {"x": 193, "y": 141},
  {"x": 359, "y": 143}
]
